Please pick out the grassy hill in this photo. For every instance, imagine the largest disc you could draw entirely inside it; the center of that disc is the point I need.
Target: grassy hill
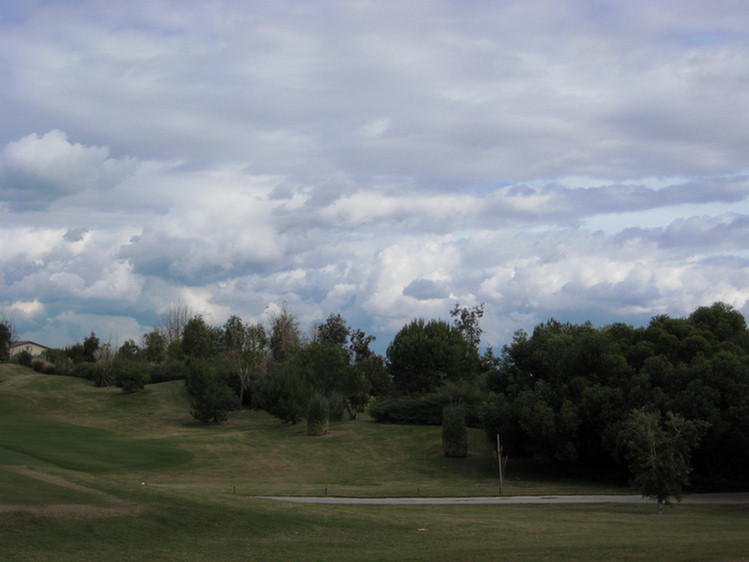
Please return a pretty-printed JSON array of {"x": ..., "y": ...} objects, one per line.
[{"x": 90, "y": 473}]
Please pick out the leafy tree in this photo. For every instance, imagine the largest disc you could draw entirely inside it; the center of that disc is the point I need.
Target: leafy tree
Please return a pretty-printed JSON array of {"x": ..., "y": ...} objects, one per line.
[
  {"x": 564, "y": 394},
  {"x": 285, "y": 337},
  {"x": 211, "y": 399},
  {"x": 359, "y": 345},
  {"x": 90, "y": 345},
  {"x": 498, "y": 417},
  {"x": 129, "y": 375},
  {"x": 5, "y": 340},
  {"x": 174, "y": 351},
  {"x": 659, "y": 451},
  {"x": 23, "y": 357},
  {"x": 721, "y": 321},
  {"x": 284, "y": 393},
  {"x": 128, "y": 350},
  {"x": 467, "y": 321},
  {"x": 153, "y": 347},
  {"x": 372, "y": 370},
  {"x": 244, "y": 347},
  {"x": 424, "y": 355},
  {"x": 197, "y": 339},
  {"x": 326, "y": 366},
  {"x": 549, "y": 428},
  {"x": 337, "y": 406},
  {"x": 454, "y": 432},
  {"x": 334, "y": 331}
]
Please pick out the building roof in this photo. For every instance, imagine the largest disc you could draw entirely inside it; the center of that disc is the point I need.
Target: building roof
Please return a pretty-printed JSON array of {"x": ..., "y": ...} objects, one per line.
[{"x": 24, "y": 343}]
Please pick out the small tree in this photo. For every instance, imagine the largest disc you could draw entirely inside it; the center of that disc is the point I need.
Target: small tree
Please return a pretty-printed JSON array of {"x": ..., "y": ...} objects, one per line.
[
  {"x": 658, "y": 451},
  {"x": 173, "y": 321},
  {"x": 153, "y": 349},
  {"x": 359, "y": 345},
  {"x": 130, "y": 376},
  {"x": 174, "y": 351},
  {"x": 285, "y": 337},
  {"x": 244, "y": 348},
  {"x": 90, "y": 345},
  {"x": 424, "y": 355},
  {"x": 318, "y": 415},
  {"x": 5, "y": 340},
  {"x": 23, "y": 357},
  {"x": 334, "y": 331},
  {"x": 285, "y": 393},
  {"x": 467, "y": 321},
  {"x": 454, "y": 433},
  {"x": 128, "y": 350},
  {"x": 211, "y": 399},
  {"x": 197, "y": 338}
]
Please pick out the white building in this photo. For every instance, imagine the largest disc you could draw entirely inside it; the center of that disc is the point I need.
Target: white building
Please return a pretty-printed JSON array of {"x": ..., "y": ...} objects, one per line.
[{"x": 32, "y": 347}]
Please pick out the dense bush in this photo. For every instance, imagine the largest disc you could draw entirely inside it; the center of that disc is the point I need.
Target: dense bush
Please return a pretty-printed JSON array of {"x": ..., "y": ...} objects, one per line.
[
  {"x": 84, "y": 371},
  {"x": 425, "y": 355},
  {"x": 337, "y": 404},
  {"x": 318, "y": 413},
  {"x": 426, "y": 409},
  {"x": 172, "y": 371},
  {"x": 23, "y": 358},
  {"x": 211, "y": 399},
  {"x": 284, "y": 393},
  {"x": 454, "y": 433},
  {"x": 42, "y": 366},
  {"x": 130, "y": 376},
  {"x": 563, "y": 394}
]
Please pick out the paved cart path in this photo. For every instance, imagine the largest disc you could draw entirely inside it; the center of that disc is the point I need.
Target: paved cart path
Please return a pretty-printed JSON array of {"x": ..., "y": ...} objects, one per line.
[{"x": 725, "y": 499}]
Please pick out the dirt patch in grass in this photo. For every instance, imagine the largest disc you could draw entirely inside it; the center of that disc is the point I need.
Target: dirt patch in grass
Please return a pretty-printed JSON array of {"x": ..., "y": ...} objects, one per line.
[{"x": 109, "y": 505}]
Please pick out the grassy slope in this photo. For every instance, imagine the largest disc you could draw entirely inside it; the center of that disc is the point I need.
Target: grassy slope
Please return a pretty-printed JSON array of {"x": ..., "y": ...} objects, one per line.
[{"x": 104, "y": 441}]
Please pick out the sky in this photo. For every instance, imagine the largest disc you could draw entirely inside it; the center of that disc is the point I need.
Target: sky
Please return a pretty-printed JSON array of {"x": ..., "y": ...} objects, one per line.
[{"x": 580, "y": 159}]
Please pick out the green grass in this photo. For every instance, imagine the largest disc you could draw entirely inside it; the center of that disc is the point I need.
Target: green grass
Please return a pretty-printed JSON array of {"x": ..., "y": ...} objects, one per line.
[
  {"x": 24, "y": 490},
  {"x": 95, "y": 448}
]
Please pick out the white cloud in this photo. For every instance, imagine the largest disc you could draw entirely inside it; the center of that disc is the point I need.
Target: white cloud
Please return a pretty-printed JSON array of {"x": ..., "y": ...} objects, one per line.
[
  {"x": 384, "y": 160},
  {"x": 28, "y": 309},
  {"x": 37, "y": 169}
]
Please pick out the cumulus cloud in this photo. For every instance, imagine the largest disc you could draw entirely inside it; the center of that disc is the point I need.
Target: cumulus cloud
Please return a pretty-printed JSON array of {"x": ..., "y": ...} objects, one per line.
[
  {"x": 380, "y": 161},
  {"x": 38, "y": 169},
  {"x": 27, "y": 309}
]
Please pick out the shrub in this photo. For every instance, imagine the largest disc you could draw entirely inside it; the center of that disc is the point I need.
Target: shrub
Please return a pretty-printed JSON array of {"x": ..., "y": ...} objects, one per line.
[
  {"x": 84, "y": 371},
  {"x": 454, "y": 434},
  {"x": 284, "y": 393},
  {"x": 426, "y": 409},
  {"x": 23, "y": 358},
  {"x": 211, "y": 399},
  {"x": 318, "y": 414},
  {"x": 337, "y": 404},
  {"x": 129, "y": 376},
  {"x": 42, "y": 366},
  {"x": 172, "y": 371},
  {"x": 64, "y": 366}
]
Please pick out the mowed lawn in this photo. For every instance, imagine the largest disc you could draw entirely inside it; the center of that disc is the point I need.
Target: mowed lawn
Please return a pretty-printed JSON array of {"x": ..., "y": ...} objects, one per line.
[{"x": 90, "y": 474}]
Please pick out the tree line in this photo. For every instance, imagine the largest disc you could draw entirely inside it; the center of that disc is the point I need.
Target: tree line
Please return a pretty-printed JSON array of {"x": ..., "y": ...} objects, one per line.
[
  {"x": 662, "y": 405},
  {"x": 657, "y": 403}
]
